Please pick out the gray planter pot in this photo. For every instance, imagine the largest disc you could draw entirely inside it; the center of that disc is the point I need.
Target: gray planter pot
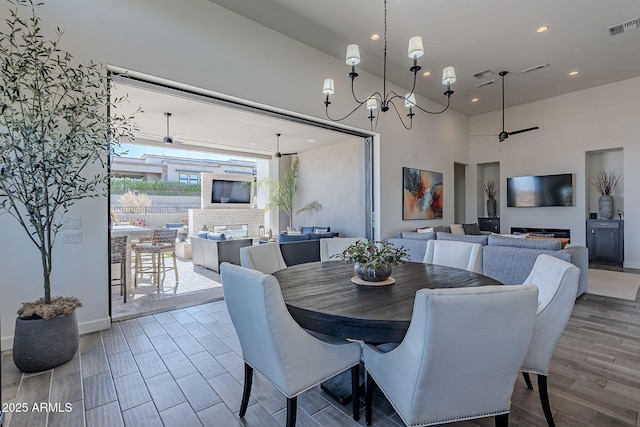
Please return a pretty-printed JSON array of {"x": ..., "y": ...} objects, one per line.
[
  {"x": 39, "y": 344},
  {"x": 605, "y": 206},
  {"x": 369, "y": 274}
]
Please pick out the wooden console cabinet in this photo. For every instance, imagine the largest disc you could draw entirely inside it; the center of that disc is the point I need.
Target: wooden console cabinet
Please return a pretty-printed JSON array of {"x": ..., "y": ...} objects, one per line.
[
  {"x": 489, "y": 224},
  {"x": 605, "y": 240}
]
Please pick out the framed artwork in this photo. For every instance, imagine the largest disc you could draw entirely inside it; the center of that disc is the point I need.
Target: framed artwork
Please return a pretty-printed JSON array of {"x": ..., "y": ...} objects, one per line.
[{"x": 421, "y": 194}]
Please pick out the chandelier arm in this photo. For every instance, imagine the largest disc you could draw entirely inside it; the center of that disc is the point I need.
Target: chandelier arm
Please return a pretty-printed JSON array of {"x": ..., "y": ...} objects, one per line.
[
  {"x": 360, "y": 104},
  {"x": 400, "y": 117},
  {"x": 435, "y": 112},
  {"x": 353, "y": 92}
]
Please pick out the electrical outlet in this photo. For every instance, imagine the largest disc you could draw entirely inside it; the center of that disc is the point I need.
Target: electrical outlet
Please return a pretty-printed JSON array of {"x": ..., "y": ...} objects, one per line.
[
  {"x": 69, "y": 223},
  {"x": 71, "y": 237}
]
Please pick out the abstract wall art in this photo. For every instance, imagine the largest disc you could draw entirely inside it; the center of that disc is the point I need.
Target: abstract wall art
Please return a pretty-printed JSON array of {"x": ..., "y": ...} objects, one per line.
[{"x": 422, "y": 194}]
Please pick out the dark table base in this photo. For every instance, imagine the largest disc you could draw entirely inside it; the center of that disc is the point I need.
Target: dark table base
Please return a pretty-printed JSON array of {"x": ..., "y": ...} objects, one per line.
[{"x": 339, "y": 387}]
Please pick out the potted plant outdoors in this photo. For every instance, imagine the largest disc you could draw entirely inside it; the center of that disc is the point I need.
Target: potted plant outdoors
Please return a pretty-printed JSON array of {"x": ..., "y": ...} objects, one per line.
[
  {"x": 605, "y": 182},
  {"x": 54, "y": 128},
  {"x": 491, "y": 189},
  {"x": 373, "y": 260},
  {"x": 282, "y": 191}
]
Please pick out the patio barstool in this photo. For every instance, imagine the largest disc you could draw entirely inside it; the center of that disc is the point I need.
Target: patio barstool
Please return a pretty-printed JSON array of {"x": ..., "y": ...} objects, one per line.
[
  {"x": 119, "y": 256},
  {"x": 150, "y": 255}
]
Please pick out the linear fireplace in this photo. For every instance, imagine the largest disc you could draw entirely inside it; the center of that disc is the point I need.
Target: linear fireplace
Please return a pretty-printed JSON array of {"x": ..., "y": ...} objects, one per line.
[{"x": 545, "y": 232}]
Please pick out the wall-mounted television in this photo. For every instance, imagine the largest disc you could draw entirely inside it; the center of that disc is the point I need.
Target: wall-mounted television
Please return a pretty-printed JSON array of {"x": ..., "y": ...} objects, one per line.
[
  {"x": 536, "y": 191},
  {"x": 225, "y": 191}
]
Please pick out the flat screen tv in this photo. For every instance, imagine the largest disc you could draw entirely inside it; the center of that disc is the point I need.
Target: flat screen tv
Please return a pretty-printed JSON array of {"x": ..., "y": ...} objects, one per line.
[
  {"x": 536, "y": 191},
  {"x": 224, "y": 191}
]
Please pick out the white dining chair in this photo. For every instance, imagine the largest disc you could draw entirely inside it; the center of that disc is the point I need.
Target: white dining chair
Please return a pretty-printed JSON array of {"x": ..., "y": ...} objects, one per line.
[
  {"x": 276, "y": 346},
  {"x": 336, "y": 245},
  {"x": 557, "y": 281},
  {"x": 266, "y": 258},
  {"x": 460, "y": 357},
  {"x": 451, "y": 253}
]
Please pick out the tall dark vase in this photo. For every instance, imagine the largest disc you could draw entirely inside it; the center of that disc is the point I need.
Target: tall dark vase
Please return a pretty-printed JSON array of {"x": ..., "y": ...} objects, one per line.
[
  {"x": 492, "y": 208},
  {"x": 605, "y": 206},
  {"x": 42, "y": 344}
]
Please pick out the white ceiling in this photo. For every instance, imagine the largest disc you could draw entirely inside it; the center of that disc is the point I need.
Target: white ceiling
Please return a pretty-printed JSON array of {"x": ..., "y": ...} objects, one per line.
[{"x": 472, "y": 36}]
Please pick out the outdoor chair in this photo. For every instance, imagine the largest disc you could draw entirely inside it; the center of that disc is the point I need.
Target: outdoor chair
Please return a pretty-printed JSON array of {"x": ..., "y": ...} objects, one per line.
[
  {"x": 451, "y": 253},
  {"x": 557, "y": 281},
  {"x": 266, "y": 258},
  {"x": 460, "y": 357},
  {"x": 119, "y": 256},
  {"x": 150, "y": 255},
  {"x": 276, "y": 346}
]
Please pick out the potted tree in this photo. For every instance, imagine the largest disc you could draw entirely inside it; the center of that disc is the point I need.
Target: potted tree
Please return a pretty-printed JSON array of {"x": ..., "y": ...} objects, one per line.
[
  {"x": 282, "y": 192},
  {"x": 54, "y": 130}
]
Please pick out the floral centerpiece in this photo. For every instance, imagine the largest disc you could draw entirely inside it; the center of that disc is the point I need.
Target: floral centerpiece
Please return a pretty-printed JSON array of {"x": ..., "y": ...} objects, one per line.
[{"x": 373, "y": 259}]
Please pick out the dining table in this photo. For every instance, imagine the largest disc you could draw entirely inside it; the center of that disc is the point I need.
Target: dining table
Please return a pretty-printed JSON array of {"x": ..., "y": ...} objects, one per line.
[{"x": 322, "y": 298}]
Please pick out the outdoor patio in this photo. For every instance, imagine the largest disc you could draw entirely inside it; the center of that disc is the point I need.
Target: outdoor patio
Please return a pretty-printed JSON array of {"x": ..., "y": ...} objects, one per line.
[{"x": 195, "y": 286}]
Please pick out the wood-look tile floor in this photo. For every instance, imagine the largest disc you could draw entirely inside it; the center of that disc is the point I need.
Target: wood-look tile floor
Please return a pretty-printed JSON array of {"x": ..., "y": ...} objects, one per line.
[{"x": 183, "y": 368}]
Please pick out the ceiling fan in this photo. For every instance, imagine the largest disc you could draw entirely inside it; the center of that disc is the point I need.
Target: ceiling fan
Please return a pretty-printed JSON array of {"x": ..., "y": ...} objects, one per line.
[
  {"x": 278, "y": 154},
  {"x": 504, "y": 134},
  {"x": 170, "y": 139}
]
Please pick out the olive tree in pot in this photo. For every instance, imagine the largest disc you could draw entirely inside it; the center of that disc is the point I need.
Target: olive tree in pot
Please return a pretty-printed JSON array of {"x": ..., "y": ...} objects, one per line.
[{"x": 54, "y": 130}]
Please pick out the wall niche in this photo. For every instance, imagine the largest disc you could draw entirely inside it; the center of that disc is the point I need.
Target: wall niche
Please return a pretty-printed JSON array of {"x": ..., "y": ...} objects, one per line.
[
  {"x": 488, "y": 172},
  {"x": 610, "y": 160}
]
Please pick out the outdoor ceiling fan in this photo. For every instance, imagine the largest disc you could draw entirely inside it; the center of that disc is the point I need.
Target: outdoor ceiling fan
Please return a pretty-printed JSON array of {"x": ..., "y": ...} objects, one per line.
[
  {"x": 171, "y": 139},
  {"x": 278, "y": 154},
  {"x": 504, "y": 134}
]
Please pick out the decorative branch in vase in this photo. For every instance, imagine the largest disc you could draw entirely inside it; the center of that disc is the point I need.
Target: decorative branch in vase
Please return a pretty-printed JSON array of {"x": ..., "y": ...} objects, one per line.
[
  {"x": 491, "y": 189},
  {"x": 605, "y": 181}
]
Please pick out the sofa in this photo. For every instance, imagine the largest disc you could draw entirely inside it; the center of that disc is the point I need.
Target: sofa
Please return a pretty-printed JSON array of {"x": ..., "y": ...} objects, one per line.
[
  {"x": 211, "y": 252},
  {"x": 506, "y": 259}
]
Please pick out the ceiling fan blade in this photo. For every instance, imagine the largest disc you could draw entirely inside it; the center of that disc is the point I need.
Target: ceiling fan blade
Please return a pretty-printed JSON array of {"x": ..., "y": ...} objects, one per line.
[
  {"x": 523, "y": 130},
  {"x": 178, "y": 136}
]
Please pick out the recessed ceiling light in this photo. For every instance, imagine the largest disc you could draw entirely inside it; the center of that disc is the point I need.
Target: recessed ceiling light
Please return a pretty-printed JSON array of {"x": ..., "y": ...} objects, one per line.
[
  {"x": 252, "y": 144},
  {"x": 542, "y": 29},
  {"x": 474, "y": 100},
  {"x": 311, "y": 140},
  {"x": 375, "y": 37},
  {"x": 426, "y": 73},
  {"x": 573, "y": 73}
]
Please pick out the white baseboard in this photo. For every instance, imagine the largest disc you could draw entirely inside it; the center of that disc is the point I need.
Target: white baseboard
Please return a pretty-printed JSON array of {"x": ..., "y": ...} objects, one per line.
[
  {"x": 627, "y": 264},
  {"x": 6, "y": 343}
]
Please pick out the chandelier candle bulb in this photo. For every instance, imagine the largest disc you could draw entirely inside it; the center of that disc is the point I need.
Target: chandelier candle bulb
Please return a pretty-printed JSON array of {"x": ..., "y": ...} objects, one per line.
[
  {"x": 416, "y": 49},
  {"x": 448, "y": 76},
  {"x": 353, "y": 54},
  {"x": 328, "y": 87}
]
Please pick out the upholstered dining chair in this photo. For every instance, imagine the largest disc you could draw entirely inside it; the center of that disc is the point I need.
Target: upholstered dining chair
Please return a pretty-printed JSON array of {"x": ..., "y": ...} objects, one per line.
[
  {"x": 119, "y": 256},
  {"x": 557, "y": 281},
  {"x": 460, "y": 357},
  {"x": 265, "y": 258},
  {"x": 463, "y": 255},
  {"x": 335, "y": 245},
  {"x": 276, "y": 346}
]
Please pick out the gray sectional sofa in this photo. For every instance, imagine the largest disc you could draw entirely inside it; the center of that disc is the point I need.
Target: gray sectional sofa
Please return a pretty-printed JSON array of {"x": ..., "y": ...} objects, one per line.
[{"x": 506, "y": 259}]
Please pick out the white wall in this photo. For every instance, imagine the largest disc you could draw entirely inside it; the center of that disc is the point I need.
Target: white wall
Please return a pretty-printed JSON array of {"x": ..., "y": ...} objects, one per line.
[
  {"x": 204, "y": 45},
  {"x": 334, "y": 177},
  {"x": 571, "y": 125}
]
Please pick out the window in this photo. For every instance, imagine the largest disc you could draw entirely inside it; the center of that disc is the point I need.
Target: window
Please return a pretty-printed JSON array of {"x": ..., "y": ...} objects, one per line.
[{"x": 189, "y": 178}]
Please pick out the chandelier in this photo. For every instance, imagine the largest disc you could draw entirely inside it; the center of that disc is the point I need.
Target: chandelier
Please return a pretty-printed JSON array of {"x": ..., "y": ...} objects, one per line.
[{"x": 385, "y": 100}]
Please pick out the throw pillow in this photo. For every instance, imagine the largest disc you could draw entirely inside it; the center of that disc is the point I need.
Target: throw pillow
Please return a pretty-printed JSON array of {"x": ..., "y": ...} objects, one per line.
[
  {"x": 471, "y": 229},
  {"x": 441, "y": 229},
  {"x": 320, "y": 230},
  {"x": 425, "y": 230},
  {"x": 457, "y": 229}
]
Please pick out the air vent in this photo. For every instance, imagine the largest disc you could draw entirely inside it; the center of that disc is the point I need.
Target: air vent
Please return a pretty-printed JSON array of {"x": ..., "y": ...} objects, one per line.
[
  {"x": 485, "y": 83},
  {"x": 624, "y": 27},
  {"x": 483, "y": 74},
  {"x": 537, "y": 67}
]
